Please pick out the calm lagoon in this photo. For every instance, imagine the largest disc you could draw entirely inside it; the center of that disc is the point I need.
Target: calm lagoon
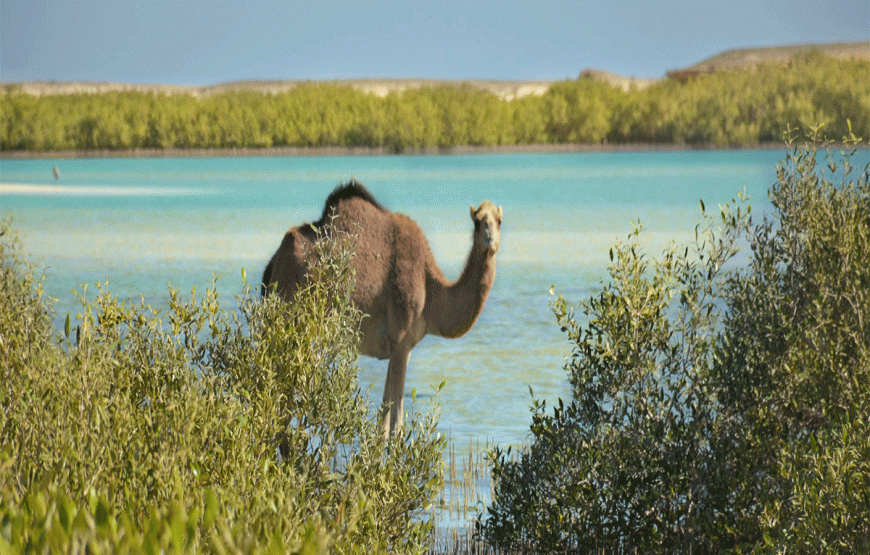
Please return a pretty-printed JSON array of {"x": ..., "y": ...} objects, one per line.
[{"x": 147, "y": 223}]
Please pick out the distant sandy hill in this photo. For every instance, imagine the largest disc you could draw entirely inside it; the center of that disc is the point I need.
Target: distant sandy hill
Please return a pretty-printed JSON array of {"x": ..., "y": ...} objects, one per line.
[
  {"x": 507, "y": 90},
  {"x": 745, "y": 58},
  {"x": 618, "y": 81}
]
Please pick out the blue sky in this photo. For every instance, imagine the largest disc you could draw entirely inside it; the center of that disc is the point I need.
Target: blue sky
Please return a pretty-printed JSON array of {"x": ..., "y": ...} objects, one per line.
[{"x": 202, "y": 42}]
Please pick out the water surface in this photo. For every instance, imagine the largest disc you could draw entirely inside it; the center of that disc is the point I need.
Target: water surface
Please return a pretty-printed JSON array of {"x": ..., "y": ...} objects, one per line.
[{"x": 146, "y": 223}]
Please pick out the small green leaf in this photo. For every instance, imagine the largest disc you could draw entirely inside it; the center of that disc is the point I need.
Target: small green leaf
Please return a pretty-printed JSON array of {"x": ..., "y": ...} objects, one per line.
[{"x": 102, "y": 514}]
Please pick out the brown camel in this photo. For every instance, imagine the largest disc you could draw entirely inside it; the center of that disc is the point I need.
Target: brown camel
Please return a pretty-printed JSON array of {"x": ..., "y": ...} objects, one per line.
[{"x": 399, "y": 287}]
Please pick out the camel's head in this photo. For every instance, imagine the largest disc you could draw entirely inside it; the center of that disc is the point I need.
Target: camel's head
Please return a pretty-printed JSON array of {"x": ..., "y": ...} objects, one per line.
[{"x": 487, "y": 225}]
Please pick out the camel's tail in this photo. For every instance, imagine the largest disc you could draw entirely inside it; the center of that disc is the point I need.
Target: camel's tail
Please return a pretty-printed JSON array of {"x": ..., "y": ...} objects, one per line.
[{"x": 267, "y": 277}]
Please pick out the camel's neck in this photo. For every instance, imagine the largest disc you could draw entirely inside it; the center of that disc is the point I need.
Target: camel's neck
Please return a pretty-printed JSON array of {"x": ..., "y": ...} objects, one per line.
[{"x": 452, "y": 308}]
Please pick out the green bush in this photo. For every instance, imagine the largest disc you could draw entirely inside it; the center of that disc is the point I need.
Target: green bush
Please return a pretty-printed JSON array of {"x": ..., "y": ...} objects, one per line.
[
  {"x": 201, "y": 429},
  {"x": 719, "y": 405},
  {"x": 742, "y": 108}
]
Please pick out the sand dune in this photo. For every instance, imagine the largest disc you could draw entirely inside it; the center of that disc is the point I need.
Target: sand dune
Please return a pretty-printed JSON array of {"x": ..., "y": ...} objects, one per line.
[
  {"x": 745, "y": 58},
  {"x": 508, "y": 90}
]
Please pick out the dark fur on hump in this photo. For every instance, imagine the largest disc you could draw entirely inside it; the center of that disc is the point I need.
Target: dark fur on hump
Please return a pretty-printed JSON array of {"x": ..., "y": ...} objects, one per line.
[{"x": 352, "y": 189}]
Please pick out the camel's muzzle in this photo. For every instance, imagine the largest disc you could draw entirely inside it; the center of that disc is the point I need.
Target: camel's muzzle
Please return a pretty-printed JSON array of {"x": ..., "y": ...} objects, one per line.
[{"x": 490, "y": 239}]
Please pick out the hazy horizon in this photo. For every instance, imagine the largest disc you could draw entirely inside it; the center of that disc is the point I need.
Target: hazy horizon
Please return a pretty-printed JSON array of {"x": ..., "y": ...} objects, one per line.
[{"x": 188, "y": 42}]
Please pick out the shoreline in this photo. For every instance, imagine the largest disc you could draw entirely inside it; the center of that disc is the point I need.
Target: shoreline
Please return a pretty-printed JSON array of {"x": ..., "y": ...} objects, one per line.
[{"x": 372, "y": 151}]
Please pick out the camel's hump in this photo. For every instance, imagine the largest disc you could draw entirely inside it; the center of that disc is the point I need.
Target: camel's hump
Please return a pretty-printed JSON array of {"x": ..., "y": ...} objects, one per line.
[{"x": 352, "y": 189}]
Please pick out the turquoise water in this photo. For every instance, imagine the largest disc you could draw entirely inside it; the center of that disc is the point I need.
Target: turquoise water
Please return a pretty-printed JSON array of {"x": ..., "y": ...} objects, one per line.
[{"x": 145, "y": 223}]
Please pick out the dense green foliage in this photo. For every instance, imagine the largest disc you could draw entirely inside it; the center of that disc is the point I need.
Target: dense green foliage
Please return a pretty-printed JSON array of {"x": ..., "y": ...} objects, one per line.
[
  {"x": 201, "y": 429},
  {"x": 734, "y": 108},
  {"x": 719, "y": 405}
]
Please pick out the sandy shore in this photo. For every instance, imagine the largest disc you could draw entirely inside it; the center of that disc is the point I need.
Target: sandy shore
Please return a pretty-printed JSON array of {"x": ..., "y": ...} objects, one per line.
[
  {"x": 89, "y": 190},
  {"x": 369, "y": 151}
]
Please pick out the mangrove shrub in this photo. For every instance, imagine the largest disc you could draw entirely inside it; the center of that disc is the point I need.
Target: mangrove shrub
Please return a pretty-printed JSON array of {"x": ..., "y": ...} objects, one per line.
[
  {"x": 720, "y": 400},
  {"x": 200, "y": 428},
  {"x": 735, "y": 108}
]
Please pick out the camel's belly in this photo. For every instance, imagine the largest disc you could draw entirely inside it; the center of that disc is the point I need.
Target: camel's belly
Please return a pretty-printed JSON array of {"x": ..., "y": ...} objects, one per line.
[
  {"x": 377, "y": 340},
  {"x": 374, "y": 339}
]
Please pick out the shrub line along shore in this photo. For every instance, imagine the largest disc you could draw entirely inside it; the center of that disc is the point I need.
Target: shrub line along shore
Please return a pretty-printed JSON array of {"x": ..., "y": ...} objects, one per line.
[
  {"x": 743, "y": 106},
  {"x": 369, "y": 151}
]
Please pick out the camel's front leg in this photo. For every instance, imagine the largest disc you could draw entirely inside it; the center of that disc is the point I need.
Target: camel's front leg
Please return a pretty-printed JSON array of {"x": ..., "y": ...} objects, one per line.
[{"x": 392, "y": 408}]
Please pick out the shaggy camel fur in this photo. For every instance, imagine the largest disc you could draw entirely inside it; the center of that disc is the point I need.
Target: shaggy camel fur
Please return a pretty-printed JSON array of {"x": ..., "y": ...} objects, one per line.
[{"x": 399, "y": 287}]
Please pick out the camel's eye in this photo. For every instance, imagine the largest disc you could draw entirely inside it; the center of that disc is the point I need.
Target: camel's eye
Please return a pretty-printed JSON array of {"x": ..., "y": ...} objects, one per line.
[{"x": 477, "y": 225}]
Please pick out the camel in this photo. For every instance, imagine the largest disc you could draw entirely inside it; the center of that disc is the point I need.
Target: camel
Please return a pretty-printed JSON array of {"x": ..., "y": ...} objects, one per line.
[{"x": 399, "y": 287}]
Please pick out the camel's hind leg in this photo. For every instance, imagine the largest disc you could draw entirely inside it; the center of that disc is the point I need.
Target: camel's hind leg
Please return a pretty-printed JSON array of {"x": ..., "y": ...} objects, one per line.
[{"x": 392, "y": 409}]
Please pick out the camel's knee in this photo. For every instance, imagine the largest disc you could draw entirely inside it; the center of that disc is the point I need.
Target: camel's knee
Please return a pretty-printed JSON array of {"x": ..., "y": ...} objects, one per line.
[{"x": 391, "y": 417}]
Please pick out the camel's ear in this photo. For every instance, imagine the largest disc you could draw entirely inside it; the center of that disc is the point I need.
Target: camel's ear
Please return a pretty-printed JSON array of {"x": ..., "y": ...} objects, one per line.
[
  {"x": 500, "y": 213},
  {"x": 473, "y": 211}
]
